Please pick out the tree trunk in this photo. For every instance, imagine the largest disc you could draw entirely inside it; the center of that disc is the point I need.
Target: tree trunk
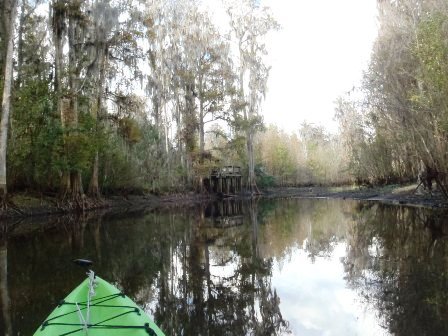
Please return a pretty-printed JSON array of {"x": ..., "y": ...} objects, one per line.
[
  {"x": 95, "y": 109},
  {"x": 63, "y": 103},
  {"x": 58, "y": 27},
  {"x": 69, "y": 119},
  {"x": 189, "y": 128},
  {"x": 94, "y": 187},
  {"x": 5, "y": 29},
  {"x": 201, "y": 116},
  {"x": 201, "y": 135},
  {"x": 73, "y": 191},
  {"x": 20, "y": 44},
  {"x": 6, "y": 104},
  {"x": 250, "y": 138},
  {"x": 251, "y": 183}
]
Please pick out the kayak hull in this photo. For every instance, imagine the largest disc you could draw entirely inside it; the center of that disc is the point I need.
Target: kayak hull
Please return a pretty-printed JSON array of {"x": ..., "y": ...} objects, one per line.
[{"x": 110, "y": 313}]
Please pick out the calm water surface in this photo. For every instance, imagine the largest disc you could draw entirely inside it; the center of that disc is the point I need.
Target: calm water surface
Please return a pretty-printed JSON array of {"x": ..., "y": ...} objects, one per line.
[{"x": 268, "y": 267}]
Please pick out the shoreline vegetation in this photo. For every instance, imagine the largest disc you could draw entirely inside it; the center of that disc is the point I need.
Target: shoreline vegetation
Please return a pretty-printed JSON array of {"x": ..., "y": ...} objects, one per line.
[
  {"x": 152, "y": 100},
  {"x": 29, "y": 205}
]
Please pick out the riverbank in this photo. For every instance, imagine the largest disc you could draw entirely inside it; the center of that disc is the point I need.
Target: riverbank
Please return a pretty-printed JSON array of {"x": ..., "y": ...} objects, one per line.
[
  {"x": 391, "y": 194},
  {"x": 30, "y": 205},
  {"x": 26, "y": 205}
]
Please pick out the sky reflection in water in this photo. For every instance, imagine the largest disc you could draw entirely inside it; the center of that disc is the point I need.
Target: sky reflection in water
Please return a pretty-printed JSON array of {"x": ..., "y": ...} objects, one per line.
[
  {"x": 326, "y": 267},
  {"x": 315, "y": 299}
]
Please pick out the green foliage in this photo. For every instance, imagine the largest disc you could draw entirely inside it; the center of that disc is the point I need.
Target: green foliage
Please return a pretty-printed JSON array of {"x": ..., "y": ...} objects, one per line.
[
  {"x": 153, "y": 162},
  {"x": 404, "y": 116},
  {"x": 76, "y": 150},
  {"x": 431, "y": 49},
  {"x": 194, "y": 79},
  {"x": 264, "y": 180},
  {"x": 77, "y": 146},
  {"x": 140, "y": 166},
  {"x": 313, "y": 158},
  {"x": 117, "y": 171},
  {"x": 34, "y": 136},
  {"x": 129, "y": 130},
  {"x": 40, "y": 149}
]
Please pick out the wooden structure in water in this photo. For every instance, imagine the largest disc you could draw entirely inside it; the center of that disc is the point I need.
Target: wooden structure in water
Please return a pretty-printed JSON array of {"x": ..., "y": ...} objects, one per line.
[
  {"x": 226, "y": 180},
  {"x": 225, "y": 213}
]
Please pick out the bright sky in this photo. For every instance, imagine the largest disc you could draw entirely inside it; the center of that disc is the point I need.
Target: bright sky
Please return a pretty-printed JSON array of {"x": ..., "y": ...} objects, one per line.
[{"x": 319, "y": 54}]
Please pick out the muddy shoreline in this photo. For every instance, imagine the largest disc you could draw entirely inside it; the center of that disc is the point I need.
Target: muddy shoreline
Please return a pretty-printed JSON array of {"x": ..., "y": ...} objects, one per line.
[
  {"x": 33, "y": 206},
  {"x": 406, "y": 195}
]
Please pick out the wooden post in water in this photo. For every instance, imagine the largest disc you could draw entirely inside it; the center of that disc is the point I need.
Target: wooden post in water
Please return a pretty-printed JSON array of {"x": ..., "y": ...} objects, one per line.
[{"x": 226, "y": 180}]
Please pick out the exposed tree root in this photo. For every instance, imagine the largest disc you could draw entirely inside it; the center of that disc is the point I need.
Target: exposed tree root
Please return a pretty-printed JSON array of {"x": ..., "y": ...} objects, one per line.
[
  {"x": 7, "y": 206},
  {"x": 79, "y": 203},
  {"x": 73, "y": 202},
  {"x": 95, "y": 199},
  {"x": 96, "y": 202}
]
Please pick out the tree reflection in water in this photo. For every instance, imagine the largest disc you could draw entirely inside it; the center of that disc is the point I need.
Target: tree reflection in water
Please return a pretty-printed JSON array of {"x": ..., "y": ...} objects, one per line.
[
  {"x": 4, "y": 291},
  {"x": 199, "y": 274},
  {"x": 193, "y": 277},
  {"x": 195, "y": 274},
  {"x": 398, "y": 260},
  {"x": 218, "y": 284}
]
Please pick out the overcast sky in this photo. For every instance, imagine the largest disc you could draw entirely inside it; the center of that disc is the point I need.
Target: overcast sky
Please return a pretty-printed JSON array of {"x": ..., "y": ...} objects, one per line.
[{"x": 320, "y": 53}]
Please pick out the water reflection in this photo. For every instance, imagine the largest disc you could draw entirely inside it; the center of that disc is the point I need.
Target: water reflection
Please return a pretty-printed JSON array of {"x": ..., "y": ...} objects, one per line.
[
  {"x": 398, "y": 260},
  {"x": 215, "y": 281},
  {"x": 4, "y": 291},
  {"x": 245, "y": 268},
  {"x": 225, "y": 213}
]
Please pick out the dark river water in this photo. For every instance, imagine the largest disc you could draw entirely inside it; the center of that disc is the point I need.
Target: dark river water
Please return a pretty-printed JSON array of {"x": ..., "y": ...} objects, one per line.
[{"x": 267, "y": 267}]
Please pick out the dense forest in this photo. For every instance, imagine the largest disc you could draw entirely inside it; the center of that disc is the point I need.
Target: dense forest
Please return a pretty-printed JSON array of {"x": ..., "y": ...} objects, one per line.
[
  {"x": 107, "y": 96},
  {"x": 118, "y": 95},
  {"x": 399, "y": 129},
  {"x": 393, "y": 127}
]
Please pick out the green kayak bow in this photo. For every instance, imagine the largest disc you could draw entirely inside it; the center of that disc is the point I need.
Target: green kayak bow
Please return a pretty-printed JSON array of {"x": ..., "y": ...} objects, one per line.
[{"x": 97, "y": 308}]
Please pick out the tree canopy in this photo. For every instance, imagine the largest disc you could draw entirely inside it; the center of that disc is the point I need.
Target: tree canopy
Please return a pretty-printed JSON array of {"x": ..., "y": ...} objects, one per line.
[{"x": 120, "y": 95}]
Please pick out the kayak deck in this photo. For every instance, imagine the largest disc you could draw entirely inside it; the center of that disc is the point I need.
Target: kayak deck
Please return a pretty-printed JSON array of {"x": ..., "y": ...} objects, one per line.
[{"x": 111, "y": 313}]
